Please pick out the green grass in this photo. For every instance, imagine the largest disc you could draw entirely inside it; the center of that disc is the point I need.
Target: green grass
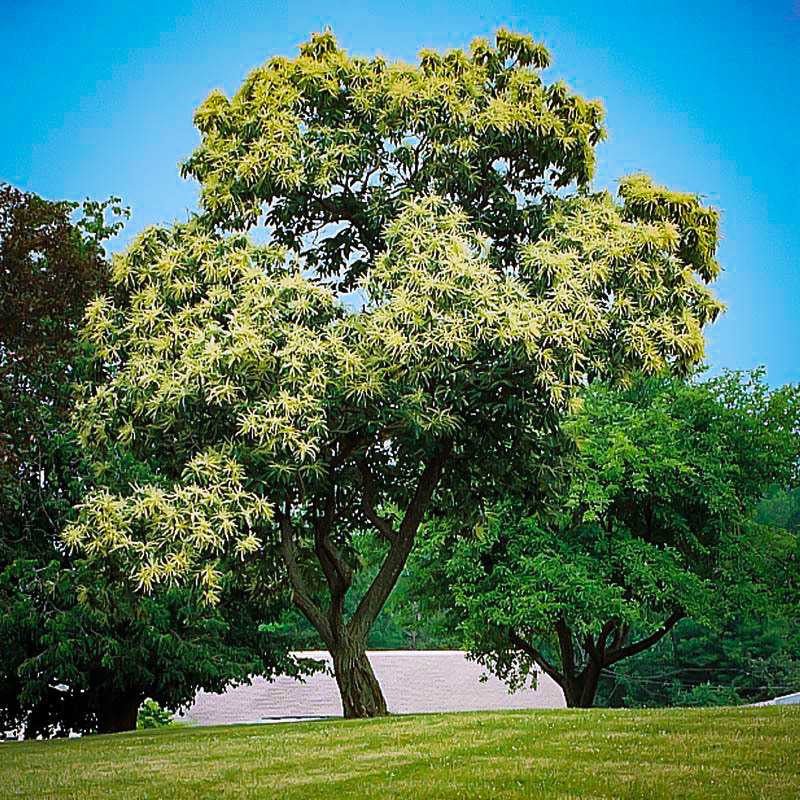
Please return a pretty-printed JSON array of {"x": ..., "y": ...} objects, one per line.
[{"x": 670, "y": 754}]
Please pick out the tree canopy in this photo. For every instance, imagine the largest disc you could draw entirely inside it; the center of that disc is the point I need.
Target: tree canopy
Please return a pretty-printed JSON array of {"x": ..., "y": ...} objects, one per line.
[
  {"x": 655, "y": 523},
  {"x": 428, "y": 302},
  {"x": 330, "y": 146}
]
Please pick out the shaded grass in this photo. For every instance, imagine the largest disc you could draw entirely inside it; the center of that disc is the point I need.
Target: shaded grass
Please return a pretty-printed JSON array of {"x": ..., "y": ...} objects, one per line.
[{"x": 671, "y": 753}]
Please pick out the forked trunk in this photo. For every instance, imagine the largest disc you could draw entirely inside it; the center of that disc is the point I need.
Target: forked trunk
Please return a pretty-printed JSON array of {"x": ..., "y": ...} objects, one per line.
[
  {"x": 359, "y": 689},
  {"x": 346, "y": 640}
]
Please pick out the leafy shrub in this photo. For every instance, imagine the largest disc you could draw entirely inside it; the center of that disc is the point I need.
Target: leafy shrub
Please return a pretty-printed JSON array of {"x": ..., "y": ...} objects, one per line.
[
  {"x": 706, "y": 694},
  {"x": 152, "y": 715}
]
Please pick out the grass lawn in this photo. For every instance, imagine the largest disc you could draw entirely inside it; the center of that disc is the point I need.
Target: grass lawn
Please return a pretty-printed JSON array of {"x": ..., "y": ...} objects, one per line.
[{"x": 670, "y": 754}]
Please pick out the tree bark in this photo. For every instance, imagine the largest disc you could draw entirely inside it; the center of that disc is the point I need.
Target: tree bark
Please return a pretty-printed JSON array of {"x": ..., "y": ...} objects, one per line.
[
  {"x": 359, "y": 688},
  {"x": 581, "y": 691},
  {"x": 119, "y": 713}
]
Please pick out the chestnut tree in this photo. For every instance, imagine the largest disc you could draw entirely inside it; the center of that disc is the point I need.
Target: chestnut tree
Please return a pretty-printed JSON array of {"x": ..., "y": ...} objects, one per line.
[{"x": 434, "y": 279}]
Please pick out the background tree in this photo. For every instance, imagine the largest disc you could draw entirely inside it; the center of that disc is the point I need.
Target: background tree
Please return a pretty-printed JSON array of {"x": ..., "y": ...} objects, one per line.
[
  {"x": 410, "y": 336},
  {"x": 81, "y": 650},
  {"x": 654, "y": 525},
  {"x": 781, "y": 508},
  {"x": 747, "y": 659}
]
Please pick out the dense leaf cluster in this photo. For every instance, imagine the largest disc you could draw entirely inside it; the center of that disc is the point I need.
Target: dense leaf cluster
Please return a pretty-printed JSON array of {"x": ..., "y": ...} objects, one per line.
[
  {"x": 80, "y": 649},
  {"x": 328, "y": 146}
]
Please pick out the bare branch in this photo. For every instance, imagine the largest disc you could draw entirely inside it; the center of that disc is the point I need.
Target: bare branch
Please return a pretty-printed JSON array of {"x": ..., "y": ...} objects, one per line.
[{"x": 649, "y": 641}]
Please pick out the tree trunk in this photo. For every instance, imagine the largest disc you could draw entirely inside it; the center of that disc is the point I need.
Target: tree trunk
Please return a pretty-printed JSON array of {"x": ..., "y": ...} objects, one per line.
[
  {"x": 119, "y": 714},
  {"x": 346, "y": 641},
  {"x": 359, "y": 689},
  {"x": 575, "y": 697},
  {"x": 580, "y": 692}
]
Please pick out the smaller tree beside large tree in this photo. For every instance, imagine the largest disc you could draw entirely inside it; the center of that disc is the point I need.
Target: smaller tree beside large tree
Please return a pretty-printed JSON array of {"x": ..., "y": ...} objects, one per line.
[{"x": 654, "y": 524}]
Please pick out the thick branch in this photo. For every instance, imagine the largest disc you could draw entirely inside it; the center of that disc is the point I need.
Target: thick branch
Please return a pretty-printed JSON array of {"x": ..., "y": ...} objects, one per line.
[
  {"x": 335, "y": 567},
  {"x": 537, "y": 657},
  {"x": 620, "y": 635},
  {"x": 351, "y": 443},
  {"x": 382, "y": 524},
  {"x": 592, "y": 649},
  {"x": 300, "y": 594},
  {"x": 383, "y": 583},
  {"x": 345, "y": 206},
  {"x": 647, "y": 642},
  {"x": 567, "y": 649},
  {"x": 348, "y": 446},
  {"x": 337, "y": 572},
  {"x": 597, "y": 652}
]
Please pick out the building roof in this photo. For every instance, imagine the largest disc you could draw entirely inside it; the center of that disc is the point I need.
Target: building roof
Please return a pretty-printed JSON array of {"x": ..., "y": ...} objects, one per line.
[{"x": 413, "y": 681}]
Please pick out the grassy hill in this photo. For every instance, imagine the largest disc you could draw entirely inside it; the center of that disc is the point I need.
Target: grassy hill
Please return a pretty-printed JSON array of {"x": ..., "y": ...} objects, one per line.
[{"x": 675, "y": 753}]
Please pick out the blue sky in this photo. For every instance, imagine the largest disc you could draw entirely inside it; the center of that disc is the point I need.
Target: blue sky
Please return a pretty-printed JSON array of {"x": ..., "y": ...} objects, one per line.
[{"x": 98, "y": 99}]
